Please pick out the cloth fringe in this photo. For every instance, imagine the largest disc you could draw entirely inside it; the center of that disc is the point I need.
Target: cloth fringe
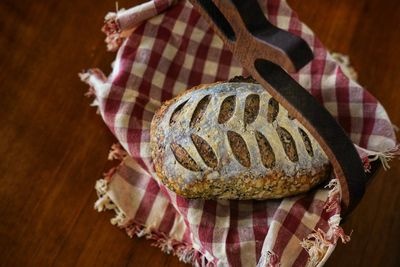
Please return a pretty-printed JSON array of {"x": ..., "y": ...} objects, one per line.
[
  {"x": 318, "y": 242},
  {"x": 269, "y": 259},
  {"x": 113, "y": 32},
  {"x": 117, "y": 152},
  {"x": 366, "y": 164},
  {"x": 104, "y": 202},
  {"x": 185, "y": 252},
  {"x": 119, "y": 24},
  {"x": 384, "y": 156},
  {"x": 95, "y": 78},
  {"x": 344, "y": 62}
]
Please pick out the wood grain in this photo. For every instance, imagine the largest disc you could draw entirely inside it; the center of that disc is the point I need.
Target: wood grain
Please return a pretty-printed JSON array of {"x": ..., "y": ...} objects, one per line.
[{"x": 53, "y": 146}]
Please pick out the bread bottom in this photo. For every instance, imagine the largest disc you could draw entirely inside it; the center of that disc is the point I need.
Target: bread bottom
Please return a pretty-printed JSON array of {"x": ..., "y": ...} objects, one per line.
[{"x": 274, "y": 186}]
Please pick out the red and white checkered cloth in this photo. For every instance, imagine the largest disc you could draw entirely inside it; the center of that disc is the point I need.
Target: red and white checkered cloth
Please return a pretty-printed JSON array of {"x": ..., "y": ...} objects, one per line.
[{"x": 166, "y": 47}]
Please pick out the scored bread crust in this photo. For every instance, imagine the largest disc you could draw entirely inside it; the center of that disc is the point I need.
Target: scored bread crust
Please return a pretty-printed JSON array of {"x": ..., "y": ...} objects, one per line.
[{"x": 231, "y": 178}]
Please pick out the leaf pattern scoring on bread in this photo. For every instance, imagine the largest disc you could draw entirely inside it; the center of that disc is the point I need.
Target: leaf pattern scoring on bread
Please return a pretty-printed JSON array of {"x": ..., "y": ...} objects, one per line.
[{"x": 231, "y": 129}]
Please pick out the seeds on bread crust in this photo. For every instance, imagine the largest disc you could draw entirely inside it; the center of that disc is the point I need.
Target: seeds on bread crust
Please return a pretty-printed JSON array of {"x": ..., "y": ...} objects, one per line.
[{"x": 233, "y": 140}]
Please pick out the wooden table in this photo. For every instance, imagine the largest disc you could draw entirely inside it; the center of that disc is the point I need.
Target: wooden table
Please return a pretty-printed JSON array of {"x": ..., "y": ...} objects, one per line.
[{"x": 53, "y": 146}]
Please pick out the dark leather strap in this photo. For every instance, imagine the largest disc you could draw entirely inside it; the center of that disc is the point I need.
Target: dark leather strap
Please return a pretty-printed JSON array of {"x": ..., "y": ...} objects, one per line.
[{"x": 266, "y": 52}]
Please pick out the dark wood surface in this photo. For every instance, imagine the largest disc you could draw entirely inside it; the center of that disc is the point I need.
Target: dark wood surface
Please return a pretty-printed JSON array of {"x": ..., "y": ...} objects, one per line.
[{"x": 53, "y": 146}]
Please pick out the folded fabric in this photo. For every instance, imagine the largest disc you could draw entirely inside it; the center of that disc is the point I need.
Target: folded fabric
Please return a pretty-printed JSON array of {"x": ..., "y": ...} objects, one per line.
[{"x": 164, "y": 47}]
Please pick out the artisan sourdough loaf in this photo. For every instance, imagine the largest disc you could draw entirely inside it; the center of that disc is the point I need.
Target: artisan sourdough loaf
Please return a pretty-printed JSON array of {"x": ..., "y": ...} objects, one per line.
[{"x": 232, "y": 140}]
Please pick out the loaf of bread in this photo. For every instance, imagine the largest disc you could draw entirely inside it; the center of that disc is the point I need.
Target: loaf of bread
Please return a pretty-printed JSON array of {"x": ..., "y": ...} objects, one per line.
[{"x": 232, "y": 140}]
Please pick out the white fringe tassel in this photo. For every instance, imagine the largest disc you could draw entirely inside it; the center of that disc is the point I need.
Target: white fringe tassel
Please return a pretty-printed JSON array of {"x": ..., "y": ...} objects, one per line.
[
  {"x": 104, "y": 203},
  {"x": 385, "y": 156},
  {"x": 344, "y": 62},
  {"x": 318, "y": 243},
  {"x": 184, "y": 252}
]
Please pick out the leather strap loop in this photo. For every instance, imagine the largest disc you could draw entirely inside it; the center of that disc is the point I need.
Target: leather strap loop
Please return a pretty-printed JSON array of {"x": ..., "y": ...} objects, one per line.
[{"x": 267, "y": 53}]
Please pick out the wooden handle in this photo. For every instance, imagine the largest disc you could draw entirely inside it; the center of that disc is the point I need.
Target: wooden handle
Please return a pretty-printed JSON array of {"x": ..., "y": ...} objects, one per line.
[{"x": 266, "y": 52}]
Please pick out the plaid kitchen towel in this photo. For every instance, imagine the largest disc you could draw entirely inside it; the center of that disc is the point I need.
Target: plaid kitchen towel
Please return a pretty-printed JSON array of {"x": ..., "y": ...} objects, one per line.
[{"x": 164, "y": 47}]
